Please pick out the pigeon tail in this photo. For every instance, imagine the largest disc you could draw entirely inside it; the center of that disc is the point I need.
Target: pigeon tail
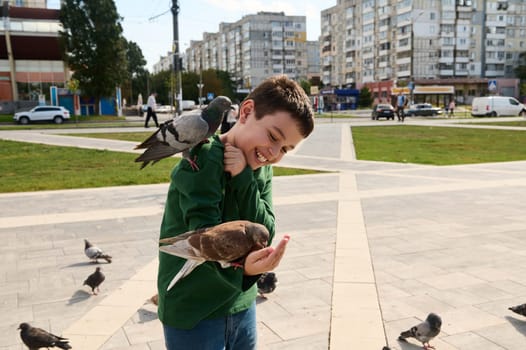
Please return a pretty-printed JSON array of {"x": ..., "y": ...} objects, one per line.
[
  {"x": 105, "y": 257},
  {"x": 63, "y": 344},
  {"x": 188, "y": 267}
]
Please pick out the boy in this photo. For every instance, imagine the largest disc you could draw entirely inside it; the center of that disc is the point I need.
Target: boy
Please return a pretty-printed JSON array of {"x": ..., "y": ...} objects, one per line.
[{"x": 214, "y": 308}]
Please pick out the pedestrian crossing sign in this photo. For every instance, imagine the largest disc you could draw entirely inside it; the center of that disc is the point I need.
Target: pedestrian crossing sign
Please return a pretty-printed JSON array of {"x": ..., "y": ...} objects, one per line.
[{"x": 492, "y": 85}]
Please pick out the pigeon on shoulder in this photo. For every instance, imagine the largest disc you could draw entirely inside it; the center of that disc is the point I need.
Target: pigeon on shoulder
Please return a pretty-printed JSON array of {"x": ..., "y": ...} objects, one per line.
[
  {"x": 519, "y": 309},
  {"x": 184, "y": 132},
  {"x": 94, "y": 280},
  {"x": 36, "y": 338},
  {"x": 424, "y": 331},
  {"x": 267, "y": 283},
  {"x": 95, "y": 253},
  {"x": 228, "y": 244}
]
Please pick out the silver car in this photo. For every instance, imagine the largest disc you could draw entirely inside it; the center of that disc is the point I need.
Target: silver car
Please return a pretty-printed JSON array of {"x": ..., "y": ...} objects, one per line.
[{"x": 55, "y": 114}]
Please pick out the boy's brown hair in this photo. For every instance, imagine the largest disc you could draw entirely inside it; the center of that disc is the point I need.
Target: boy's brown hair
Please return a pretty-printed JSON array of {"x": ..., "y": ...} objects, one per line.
[{"x": 281, "y": 94}]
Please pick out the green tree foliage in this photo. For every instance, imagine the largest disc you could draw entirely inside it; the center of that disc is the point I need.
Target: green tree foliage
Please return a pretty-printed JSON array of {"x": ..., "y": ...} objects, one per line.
[
  {"x": 93, "y": 46},
  {"x": 305, "y": 84},
  {"x": 366, "y": 98},
  {"x": 214, "y": 81},
  {"x": 137, "y": 74},
  {"x": 520, "y": 71}
]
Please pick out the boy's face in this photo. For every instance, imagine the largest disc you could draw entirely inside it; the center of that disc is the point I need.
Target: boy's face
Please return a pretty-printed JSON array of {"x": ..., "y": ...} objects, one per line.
[{"x": 265, "y": 141}]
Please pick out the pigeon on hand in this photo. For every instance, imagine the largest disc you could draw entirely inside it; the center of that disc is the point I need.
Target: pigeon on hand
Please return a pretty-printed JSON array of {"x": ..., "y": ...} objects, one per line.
[
  {"x": 519, "y": 309},
  {"x": 424, "y": 331},
  {"x": 267, "y": 283},
  {"x": 36, "y": 338},
  {"x": 95, "y": 253},
  {"x": 94, "y": 280},
  {"x": 226, "y": 243},
  {"x": 184, "y": 132}
]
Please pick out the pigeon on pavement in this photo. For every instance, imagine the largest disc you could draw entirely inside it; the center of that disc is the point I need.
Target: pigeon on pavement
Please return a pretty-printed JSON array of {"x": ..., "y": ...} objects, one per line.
[
  {"x": 95, "y": 253},
  {"x": 184, "y": 132},
  {"x": 519, "y": 309},
  {"x": 94, "y": 280},
  {"x": 36, "y": 338},
  {"x": 267, "y": 283},
  {"x": 226, "y": 243},
  {"x": 424, "y": 331}
]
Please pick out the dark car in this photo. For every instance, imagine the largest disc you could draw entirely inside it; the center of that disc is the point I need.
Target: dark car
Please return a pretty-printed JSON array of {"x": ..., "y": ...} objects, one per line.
[
  {"x": 423, "y": 109},
  {"x": 383, "y": 110}
]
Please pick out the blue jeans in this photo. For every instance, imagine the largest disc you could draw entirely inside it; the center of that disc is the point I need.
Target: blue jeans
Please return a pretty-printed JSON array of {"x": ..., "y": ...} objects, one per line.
[{"x": 233, "y": 332}]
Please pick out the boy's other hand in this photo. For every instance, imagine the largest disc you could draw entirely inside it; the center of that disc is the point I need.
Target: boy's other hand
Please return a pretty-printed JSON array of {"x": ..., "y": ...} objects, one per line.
[
  {"x": 266, "y": 259},
  {"x": 234, "y": 160}
]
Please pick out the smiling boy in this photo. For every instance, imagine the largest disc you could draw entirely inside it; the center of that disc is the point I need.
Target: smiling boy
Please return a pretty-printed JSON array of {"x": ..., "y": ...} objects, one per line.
[{"x": 214, "y": 308}]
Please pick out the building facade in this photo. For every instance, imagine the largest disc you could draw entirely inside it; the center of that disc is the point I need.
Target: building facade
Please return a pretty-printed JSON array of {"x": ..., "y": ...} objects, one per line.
[
  {"x": 254, "y": 48},
  {"x": 463, "y": 43},
  {"x": 30, "y": 55}
]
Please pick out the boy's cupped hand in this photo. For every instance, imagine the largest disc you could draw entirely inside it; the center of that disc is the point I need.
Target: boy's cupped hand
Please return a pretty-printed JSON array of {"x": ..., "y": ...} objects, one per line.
[
  {"x": 234, "y": 160},
  {"x": 266, "y": 259}
]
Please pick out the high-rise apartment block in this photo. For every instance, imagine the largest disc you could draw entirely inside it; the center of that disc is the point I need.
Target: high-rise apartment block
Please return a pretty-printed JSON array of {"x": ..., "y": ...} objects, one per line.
[
  {"x": 460, "y": 42},
  {"x": 254, "y": 48}
]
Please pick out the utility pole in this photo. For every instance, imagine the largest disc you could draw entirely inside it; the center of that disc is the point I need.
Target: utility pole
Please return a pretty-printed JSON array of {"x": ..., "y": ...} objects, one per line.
[{"x": 176, "y": 58}]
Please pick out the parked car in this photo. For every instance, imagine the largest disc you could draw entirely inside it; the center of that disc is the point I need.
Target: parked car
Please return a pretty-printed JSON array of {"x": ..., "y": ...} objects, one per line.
[
  {"x": 383, "y": 110},
  {"x": 56, "y": 114},
  {"x": 165, "y": 109},
  {"x": 423, "y": 109},
  {"x": 496, "y": 106}
]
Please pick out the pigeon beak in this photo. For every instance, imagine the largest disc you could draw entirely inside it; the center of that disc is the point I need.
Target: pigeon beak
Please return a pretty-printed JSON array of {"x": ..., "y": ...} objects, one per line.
[{"x": 169, "y": 240}]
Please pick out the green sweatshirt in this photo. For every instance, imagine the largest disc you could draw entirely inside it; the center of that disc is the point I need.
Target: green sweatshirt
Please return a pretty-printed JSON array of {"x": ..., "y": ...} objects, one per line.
[{"x": 205, "y": 198}]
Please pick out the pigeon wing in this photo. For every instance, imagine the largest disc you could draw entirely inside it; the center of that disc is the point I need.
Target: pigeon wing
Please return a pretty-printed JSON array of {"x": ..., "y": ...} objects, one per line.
[{"x": 189, "y": 130}]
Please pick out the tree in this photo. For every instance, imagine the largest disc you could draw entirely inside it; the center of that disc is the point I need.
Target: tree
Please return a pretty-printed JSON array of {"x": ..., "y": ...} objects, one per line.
[
  {"x": 305, "y": 84},
  {"x": 137, "y": 74},
  {"x": 365, "y": 99},
  {"x": 93, "y": 46},
  {"x": 520, "y": 71}
]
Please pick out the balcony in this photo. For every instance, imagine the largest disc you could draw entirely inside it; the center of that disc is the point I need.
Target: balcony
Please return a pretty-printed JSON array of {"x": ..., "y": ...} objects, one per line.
[{"x": 446, "y": 72}]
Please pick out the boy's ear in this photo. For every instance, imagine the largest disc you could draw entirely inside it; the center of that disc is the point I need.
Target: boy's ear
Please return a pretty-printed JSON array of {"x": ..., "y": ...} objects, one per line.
[{"x": 245, "y": 109}]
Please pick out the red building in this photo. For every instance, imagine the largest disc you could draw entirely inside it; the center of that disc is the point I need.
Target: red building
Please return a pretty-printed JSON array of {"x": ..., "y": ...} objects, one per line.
[{"x": 30, "y": 55}]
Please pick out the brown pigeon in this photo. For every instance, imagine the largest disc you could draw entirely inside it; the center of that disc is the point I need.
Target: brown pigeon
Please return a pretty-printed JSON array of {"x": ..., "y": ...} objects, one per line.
[
  {"x": 267, "y": 283},
  {"x": 94, "y": 280},
  {"x": 95, "y": 253},
  {"x": 424, "y": 331},
  {"x": 519, "y": 309},
  {"x": 226, "y": 243},
  {"x": 36, "y": 338}
]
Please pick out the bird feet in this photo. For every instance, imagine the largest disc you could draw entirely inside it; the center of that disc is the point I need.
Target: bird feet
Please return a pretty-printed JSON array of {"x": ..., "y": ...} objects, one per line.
[
  {"x": 428, "y": 346},
  {"x": 236, "y": 265},
  {"x": 193, "y": 164}
]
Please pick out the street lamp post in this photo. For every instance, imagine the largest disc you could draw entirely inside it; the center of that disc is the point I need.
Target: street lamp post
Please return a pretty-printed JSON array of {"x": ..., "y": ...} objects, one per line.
[
  {"x": 176, "y": 58},
  {"x": 200, "y": 86}
]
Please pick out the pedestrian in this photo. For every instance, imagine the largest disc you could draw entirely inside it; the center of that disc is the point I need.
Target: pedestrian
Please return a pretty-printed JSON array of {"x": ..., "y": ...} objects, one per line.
[
  {"x": 451, "y": 107},
  {"x": 151, "y": 110},
  {"x": 213, "y": 307},
  {"x": 401, "y": 102}
]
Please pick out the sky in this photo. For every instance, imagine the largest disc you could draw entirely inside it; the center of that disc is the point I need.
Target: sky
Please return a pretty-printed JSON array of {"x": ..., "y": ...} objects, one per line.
[{"x": 150, "y": 23}]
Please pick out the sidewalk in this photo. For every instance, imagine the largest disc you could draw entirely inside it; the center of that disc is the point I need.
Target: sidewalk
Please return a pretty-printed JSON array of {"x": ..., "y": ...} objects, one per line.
[{"x": 375, "y": 247}]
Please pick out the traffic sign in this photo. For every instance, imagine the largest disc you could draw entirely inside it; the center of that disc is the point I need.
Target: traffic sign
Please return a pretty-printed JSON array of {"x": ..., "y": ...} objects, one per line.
[{"x": 492, "y": 85}]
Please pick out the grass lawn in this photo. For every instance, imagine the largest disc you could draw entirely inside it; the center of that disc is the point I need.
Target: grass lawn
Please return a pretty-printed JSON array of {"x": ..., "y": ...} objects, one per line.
[
  {"x": 513, "y": 123},
  {"x": 438, "y": 145},
  {"x": 36, "y": 167},
  {"x": 97, "y": 121}
]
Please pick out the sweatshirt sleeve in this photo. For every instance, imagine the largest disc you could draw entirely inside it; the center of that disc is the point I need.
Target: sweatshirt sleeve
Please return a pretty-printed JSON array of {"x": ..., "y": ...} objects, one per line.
[{"x": 253, "y": 192}]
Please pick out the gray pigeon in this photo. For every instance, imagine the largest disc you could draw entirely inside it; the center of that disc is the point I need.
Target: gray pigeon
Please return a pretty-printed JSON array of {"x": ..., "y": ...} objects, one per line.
[
  {"x": 424, "y": 331},
  {"x": 227, "y": 243},
  {"x": 519, "y": 309},
  {"x": 36, "y": 338},
  {"x": 267, "y": 283},
  {"x": 94, "y": 280},
  {"x": 184, "y": 132},
  {"x": 95, "y": 253}
]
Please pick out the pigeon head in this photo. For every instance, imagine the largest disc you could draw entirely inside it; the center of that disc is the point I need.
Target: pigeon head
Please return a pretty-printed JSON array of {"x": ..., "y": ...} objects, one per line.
[
  {"x": 258, "y": 234},
  {"x": 24, "y": 326},
  {"x": 435, "y": 322},
  {"x": 216, "y": 111},
  {"x": 87, "y": 244},
  {"x": 97, "y": 269}
]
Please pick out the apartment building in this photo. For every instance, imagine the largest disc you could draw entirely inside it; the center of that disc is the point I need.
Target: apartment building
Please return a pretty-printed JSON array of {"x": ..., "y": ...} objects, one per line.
[
  {"x": 462, "y": 43},
  {"x": 254, "y": 48}
]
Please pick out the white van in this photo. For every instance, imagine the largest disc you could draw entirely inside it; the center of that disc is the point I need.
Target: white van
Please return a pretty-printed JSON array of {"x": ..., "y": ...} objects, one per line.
[{"x": 496, "y": 106}]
